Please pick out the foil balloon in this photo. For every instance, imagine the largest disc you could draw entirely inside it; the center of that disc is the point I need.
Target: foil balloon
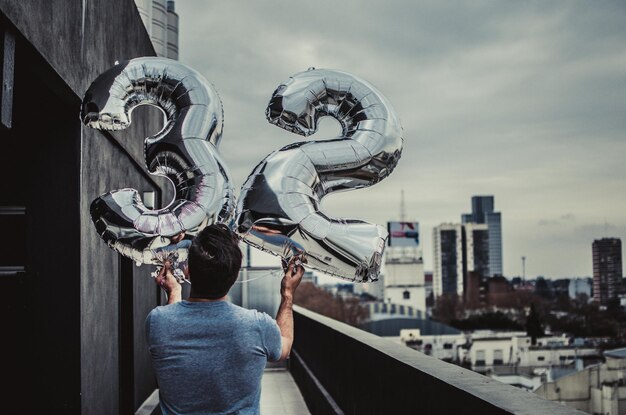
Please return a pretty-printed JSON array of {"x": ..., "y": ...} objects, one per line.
[
  {"x": 184, "y": 151},
  {"x": 279, "y": 206}
]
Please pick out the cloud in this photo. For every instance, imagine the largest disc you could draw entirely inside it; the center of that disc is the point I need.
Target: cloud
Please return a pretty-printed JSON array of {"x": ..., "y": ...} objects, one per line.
[{"x": 522, "y": 100}]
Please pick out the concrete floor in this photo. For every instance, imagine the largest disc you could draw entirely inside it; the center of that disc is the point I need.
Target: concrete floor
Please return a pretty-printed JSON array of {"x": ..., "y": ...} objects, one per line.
[{"x": 280, "y": 395}]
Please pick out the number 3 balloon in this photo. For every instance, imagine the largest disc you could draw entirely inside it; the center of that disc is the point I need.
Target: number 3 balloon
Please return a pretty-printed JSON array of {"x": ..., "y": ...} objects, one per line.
[
  {"x": 279, "y": 206},
  {"x": 184, "y": 151}
]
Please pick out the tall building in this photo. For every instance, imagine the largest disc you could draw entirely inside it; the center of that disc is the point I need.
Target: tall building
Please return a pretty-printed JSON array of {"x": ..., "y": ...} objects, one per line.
[
  {"x": 161, "y": 21},
  {"x": 404, "y": 268},
  {"x": 607, "y": 269},
  {"x": 458, "y": 251},
  {"x": 483, "y": 212},
  {"x": 448, "y": 259},
  {"x": 477, "y": 253}
]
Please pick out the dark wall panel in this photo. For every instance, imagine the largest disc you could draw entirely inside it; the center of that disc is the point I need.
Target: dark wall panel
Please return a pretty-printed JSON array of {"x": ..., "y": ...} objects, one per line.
[
  {"x": 39, "y": 167},
  {"x": 76, "y": 40}
]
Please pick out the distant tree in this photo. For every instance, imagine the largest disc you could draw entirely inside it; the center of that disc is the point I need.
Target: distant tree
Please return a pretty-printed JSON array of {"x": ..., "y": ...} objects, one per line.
[
  {"x": 563, "y": 302},
  {"x": 487, "y": 321},
  {"x": 313, "y": 298},
  {"x": 515, "y": 299},
  {"x": 351, "y": 311},
  {"x": 447, "y": 308},
  {"x": 534, "y": 328},
  {"x": 542, "y": 288}
]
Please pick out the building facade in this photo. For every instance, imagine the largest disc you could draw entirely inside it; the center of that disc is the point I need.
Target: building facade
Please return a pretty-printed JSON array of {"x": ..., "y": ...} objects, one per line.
[
  {"x": 483, "y": 212},
  {"x": 578, "y": 286},
  {"x": 598, "y": 389},
  {"x": 448, "y": 251},
  {"x": 404, "y": 267},
  {"x": 477, "y": 248},
  {"x": 76, "y": 312},
  {"x": 607, "y": 269},
  {"x": 161, "y": 21},
  {"x": 459, "y": 251},
  {"x": 404, "y": 280}
]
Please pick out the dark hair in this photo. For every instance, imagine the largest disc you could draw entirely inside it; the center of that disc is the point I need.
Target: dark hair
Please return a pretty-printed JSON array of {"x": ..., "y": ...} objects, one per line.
[{"x": 214, "y": 262}]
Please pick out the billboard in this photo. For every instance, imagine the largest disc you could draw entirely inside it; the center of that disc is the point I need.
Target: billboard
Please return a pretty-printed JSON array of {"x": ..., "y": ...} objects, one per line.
[{"x": 403, "y": 234}]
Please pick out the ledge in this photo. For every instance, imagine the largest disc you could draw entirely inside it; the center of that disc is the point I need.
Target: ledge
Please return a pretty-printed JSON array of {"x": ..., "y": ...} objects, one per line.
[{"x": 364, "y": 373}]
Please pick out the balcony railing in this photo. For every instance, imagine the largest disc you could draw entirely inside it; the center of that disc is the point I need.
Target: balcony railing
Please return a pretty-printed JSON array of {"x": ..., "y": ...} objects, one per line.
[{"x": 341, "y": 369}]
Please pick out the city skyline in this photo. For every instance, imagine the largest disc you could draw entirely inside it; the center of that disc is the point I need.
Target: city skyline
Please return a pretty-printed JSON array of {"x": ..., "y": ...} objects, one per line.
[{"x": 520, "y": 101}]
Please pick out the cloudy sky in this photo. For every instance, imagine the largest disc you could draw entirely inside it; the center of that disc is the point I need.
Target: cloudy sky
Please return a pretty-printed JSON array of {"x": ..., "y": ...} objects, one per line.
[{"x": 522, "y": 100}]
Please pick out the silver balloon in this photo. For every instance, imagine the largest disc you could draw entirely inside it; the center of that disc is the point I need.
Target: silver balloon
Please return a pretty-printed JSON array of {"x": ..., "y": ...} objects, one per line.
[
  {"x": 184, "y": 151},
  {"x": 279, "y": 206}
]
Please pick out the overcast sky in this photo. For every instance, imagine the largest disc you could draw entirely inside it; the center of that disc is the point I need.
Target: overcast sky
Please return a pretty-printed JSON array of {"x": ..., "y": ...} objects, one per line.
[{"x": 525, "y": 101}]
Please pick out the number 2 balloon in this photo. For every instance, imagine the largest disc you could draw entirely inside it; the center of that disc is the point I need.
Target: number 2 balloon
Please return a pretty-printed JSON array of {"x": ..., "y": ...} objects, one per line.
[
  {"x": 279, "y": 206},
  {"x": 184, "y": 151}
]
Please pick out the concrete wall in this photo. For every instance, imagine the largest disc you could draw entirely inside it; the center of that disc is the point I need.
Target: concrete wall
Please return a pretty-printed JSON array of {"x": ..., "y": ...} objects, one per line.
[
  {"x": 76, "y": 40},
  {"x": 106, "y": 166},
  {"x": 595, "y": 389},
  {"x": 417, "y": 297}
]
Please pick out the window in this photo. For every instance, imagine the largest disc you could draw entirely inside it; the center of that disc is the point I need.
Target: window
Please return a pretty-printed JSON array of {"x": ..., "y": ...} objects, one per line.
[
  {"x": 480, "y": 358},
  {"x": 497, "y": 357},
  {"x": 541, "y": 358},
  {"x": 406, "y": 295},
  {"x": 447, "y": 346}
]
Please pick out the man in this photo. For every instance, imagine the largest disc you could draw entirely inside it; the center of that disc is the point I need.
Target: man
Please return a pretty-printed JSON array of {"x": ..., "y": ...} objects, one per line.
[{"x": 209, "y": 354}]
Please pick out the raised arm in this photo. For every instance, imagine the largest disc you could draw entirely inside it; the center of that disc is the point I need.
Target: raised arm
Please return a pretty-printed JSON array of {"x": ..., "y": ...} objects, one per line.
[
  {"x": 284, "y": 318},
  {"x": 166, "y": 280}
]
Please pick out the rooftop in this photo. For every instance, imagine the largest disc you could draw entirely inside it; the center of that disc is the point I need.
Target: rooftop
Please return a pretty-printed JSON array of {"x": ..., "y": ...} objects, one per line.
[
  {"x": 616, "y": 353},
  {"x": 391, "y": 327}
]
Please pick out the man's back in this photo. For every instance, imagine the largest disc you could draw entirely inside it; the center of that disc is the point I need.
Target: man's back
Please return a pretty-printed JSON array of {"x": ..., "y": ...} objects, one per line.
[{"x": 209, "y": 356}]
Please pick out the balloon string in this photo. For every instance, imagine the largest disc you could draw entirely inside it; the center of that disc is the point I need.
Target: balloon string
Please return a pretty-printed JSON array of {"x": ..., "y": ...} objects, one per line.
[{"x": 274, "y": 273}]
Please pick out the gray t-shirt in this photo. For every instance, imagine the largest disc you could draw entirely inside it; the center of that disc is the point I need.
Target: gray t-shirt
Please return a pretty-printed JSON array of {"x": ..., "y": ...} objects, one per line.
[{"x": 209, "y": 356}]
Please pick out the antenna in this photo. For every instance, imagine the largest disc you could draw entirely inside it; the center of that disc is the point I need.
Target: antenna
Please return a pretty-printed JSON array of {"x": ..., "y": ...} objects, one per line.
[
  {"x": 402, "y": 207},
  {"x": 523, "y": 269}
]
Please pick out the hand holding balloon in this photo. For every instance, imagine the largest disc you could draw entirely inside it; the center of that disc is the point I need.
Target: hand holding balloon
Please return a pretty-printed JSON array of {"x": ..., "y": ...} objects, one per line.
[
  {"x": 169, "y": 284},
  {"x": 293, "y": 275}
]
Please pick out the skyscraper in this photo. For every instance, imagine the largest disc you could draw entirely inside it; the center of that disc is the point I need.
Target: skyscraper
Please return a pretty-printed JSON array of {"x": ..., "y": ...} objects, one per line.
[
  {"x": 476, "y": 249},
  {"x": 607, "y": 269},
  {"x": 448, "y": 259},
  {"x": 161, "y": 21},
  {"x": 483, "y": 212},
  {"x": 458, "y": 250}
]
